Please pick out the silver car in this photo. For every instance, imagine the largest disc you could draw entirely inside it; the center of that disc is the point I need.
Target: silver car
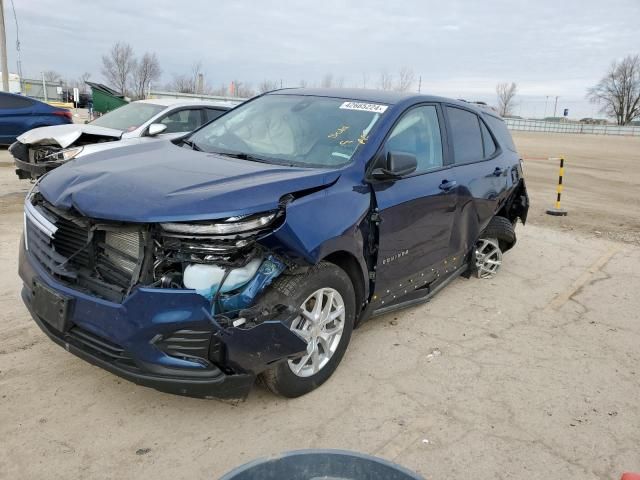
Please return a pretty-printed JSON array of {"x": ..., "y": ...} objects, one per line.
[{"x": 42, "y": 149}]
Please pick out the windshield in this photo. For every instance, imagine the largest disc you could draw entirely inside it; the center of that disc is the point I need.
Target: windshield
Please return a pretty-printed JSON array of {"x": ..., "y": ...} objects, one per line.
[
  {"x": 292, "y": 130},
  {"x": 128, "y": 117}
]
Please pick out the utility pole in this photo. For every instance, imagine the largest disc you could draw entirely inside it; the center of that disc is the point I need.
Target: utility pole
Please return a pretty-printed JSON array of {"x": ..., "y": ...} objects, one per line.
[
  {"x": 419, "y": 83},
  {"x": 546, "y": 99},
  {"x": 555, "y": 107},
  {"x": 3, "y": 51},
  {"x": 44, "y": 88}
]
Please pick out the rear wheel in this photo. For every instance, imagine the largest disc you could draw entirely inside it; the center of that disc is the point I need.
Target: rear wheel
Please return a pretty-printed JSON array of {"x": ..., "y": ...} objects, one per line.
[
  {"x": 326, "y": 299},
  {"x": 498, "y": 237}
]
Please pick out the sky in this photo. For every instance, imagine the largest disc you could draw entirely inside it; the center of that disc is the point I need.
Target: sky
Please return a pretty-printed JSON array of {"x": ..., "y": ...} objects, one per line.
[{"x": 459, "y": 48}]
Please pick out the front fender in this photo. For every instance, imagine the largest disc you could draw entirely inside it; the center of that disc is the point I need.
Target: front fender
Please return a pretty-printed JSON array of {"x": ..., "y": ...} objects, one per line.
[{"x": 332, "y": 220}]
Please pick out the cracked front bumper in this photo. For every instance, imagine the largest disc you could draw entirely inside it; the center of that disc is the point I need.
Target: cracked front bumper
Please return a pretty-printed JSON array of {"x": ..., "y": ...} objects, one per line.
[{"x": 142, "y": 339}]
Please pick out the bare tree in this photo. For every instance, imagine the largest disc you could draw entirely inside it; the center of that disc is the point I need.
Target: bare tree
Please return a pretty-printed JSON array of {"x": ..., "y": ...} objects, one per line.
[
  {"x": 82, "y": 82},
  {"x": 51, "y": 76},
  {"x": 79, "y": 83},
  {"x": 192, "y": 83},
  {"x": 303, "y": 83},
  {"x": 406, "y": 79},
  {"x": 365, "y": 79},
  {"x": 327, "y": 81},
  {"x": 619, "y": 90},
  {"x": 118, "y": 66},
  {"x": 182, "y": 84},
  {"x": 242, "y": 90},
  {"x": 147, "y": 70},
  {"x": 506, "y": 93},
  {"x": 339, "y": 82},
  {"x": 222, "y": 90},
  {"x": 267, "y": 86},
  {"x": 386, "y": 81}
]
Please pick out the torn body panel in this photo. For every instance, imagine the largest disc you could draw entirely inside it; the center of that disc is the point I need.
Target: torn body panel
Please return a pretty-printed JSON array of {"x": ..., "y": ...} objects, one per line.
[
  {"x": 64, "y": 136},
  {"x": 40, "y": 150}
]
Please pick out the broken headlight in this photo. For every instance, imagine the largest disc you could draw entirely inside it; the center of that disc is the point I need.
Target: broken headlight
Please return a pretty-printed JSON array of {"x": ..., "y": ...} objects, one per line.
[
  {"x": 228, "y": 243},
  {"x": 230, "y": 225},
  {"x": 63, "y": 155}
]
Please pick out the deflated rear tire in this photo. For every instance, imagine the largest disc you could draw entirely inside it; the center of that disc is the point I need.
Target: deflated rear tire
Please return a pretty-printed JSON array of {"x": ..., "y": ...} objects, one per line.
[
  {"x": 326, "y": 298},
  {"x": 498, "y": 237}
]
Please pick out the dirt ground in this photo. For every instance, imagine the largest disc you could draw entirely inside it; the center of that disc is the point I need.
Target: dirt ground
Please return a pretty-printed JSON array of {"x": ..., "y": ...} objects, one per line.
[
  {"x": 601, "y": 179},
  {"x": 534, "y": 374}
]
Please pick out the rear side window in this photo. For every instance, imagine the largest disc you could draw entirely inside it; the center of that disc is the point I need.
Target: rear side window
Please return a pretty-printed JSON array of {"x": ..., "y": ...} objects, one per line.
[
  {"x": 465, "y": 132},
  {"x": 14, "y": 101},
  {"x": 500, "y": 131},
  {"x": 212, "y": 113},
  {"x": 487, "y": 141}
]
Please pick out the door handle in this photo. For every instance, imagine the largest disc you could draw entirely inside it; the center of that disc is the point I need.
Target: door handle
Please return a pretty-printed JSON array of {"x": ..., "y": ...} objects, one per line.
[
  {"x": 447, "y": 185},
  {"x": 497, "y": 172}
]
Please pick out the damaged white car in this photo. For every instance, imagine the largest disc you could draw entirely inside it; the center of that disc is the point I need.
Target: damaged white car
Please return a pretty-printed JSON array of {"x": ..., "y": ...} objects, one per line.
[{"x": 42, "y": 149}]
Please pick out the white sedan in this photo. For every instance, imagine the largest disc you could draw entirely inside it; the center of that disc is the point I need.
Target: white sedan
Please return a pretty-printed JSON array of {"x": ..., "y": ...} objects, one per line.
[{"x": 42, "y": 149}]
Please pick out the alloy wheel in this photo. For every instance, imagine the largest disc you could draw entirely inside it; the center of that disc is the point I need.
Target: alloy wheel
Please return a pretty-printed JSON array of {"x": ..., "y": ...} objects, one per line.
[
  {"x": 488, "y": 257},
  {"x": 320, "y": 324}
]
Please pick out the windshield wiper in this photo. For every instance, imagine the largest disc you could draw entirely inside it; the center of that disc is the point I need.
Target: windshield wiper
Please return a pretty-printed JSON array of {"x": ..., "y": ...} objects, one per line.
[
  {"x": 192, "y": 145},
  {"x": 243, "y": 156}
]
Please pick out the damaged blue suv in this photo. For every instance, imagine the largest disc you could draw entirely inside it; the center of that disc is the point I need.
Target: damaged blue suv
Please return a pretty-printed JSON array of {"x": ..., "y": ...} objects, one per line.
[{"x": 253, "y": 246}]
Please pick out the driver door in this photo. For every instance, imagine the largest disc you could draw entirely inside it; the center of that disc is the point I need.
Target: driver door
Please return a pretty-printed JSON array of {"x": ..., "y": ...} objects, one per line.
[{"x": 416, "y": 213}]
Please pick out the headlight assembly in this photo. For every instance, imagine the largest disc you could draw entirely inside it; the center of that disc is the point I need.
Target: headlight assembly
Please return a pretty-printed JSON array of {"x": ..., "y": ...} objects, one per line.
[
  {"x": 222, "y": 227},
  {"x": 64, "y": 155}
]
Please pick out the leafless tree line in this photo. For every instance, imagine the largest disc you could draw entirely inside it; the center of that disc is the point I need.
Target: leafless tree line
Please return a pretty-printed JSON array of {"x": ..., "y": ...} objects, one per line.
[
  {"x": 405, "y": 81},
  {"x": 128, "y": 74},
  {"x": 132, "y": 76}
]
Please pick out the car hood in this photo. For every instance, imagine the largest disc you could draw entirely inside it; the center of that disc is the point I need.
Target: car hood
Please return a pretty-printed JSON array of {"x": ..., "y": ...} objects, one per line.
[
  {"x": 159, "y": 182},
  {"x": 65, "y": 135}
]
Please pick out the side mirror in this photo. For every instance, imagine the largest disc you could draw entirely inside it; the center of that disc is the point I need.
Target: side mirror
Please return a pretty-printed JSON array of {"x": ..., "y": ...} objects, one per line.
[
  {"x": 396, "y": 165},
  {"x": 156, "y": 129}
]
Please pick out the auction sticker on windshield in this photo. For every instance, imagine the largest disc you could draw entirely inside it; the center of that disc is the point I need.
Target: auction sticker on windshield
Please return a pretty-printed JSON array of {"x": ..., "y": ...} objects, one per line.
[{"x": 364, "y": 107}]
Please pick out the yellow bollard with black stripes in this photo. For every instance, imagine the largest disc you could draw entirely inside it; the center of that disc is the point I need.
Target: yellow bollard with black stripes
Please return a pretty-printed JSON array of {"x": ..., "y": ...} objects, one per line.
[{"x": 557, "y": 210}]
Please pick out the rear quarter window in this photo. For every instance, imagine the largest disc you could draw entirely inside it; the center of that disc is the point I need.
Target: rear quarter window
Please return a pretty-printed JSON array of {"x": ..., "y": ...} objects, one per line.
[
  {"x": 500, "y": 131},
  {"x": 487, "y": 140}
]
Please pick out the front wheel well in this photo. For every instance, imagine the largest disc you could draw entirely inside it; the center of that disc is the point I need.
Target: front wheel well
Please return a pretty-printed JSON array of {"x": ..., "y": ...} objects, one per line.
[{"x": 350, "y": 265}]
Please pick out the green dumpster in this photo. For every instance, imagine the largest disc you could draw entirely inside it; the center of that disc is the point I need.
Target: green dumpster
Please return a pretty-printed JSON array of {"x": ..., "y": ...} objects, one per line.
[{"x": 104, "y": 98}]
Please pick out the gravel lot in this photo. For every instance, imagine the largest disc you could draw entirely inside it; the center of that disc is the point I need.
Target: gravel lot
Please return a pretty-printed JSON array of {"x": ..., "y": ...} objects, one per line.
[{"x": 534, "y": 374}]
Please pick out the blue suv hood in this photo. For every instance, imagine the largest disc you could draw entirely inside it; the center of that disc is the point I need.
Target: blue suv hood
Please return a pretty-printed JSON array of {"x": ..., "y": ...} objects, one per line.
[{"x": 158, "y": 181}]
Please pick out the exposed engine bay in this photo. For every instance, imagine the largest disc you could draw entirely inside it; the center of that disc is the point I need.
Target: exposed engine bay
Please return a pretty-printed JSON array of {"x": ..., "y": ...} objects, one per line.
[{"x": 221, "y": 260}]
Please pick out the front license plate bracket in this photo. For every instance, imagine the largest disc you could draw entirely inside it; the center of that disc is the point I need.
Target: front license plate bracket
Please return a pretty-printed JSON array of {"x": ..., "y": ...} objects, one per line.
[{"x": 51, "y": 306}]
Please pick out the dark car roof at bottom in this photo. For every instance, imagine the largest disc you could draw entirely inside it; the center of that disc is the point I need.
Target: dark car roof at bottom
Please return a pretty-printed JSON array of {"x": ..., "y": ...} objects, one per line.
[{"x": 388, "y": 97}]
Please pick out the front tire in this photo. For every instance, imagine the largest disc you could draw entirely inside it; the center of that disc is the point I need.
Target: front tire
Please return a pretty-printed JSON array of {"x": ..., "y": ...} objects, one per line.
[{"x": 326, "y": 297}]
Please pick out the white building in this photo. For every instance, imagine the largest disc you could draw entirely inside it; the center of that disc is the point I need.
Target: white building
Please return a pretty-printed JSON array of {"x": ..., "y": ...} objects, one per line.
[{"x": 14, "y": 83}]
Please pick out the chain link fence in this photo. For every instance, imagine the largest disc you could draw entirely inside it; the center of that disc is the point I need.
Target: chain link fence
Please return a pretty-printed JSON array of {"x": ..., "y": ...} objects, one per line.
[{"x": 569, "y": 127}]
